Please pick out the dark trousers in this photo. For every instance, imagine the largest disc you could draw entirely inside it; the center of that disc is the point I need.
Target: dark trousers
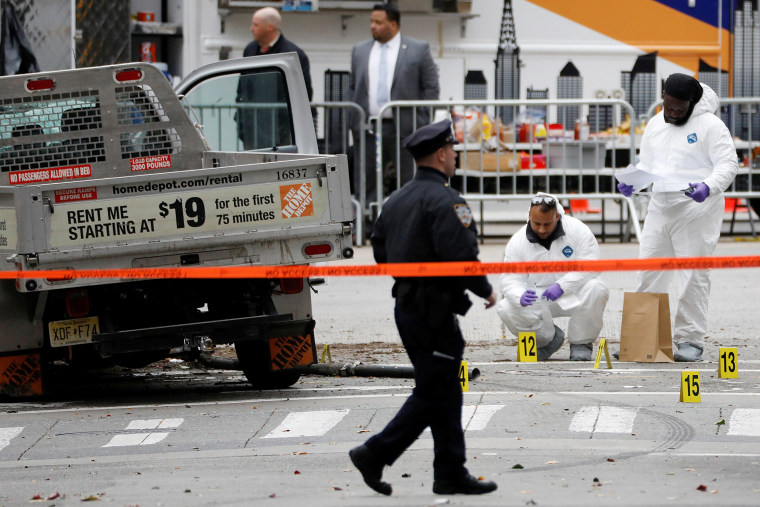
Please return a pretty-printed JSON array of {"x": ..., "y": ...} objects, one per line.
[
  {"x": 389, "y": 162},
  {"x": 436, "y": 401}
]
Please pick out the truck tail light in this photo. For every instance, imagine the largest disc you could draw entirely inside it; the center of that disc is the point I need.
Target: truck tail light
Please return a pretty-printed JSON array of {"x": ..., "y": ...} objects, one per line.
[
  {"x": 291, "y": 285},
  {"x": 128, "y": 76},
  {"x": 317, "y": 249},
  {"x": 40, "y": 84},
  {"x": 77, "y": 303}
]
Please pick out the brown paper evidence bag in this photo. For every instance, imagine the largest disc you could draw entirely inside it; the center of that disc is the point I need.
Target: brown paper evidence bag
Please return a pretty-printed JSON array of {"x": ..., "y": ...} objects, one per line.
[{"x": 645, "y": 332}]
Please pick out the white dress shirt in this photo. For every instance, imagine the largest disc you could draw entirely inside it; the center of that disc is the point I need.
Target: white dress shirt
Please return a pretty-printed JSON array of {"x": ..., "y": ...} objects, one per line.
[{"x": 372, "y": 71}]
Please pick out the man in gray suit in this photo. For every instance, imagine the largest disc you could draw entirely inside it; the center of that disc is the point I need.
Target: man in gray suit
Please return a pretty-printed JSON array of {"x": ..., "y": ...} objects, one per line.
[{"x": 390, "y": 67}]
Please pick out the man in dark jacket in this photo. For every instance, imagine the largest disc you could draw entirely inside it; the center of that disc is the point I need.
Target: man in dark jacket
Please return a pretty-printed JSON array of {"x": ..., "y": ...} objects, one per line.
[
  {"x": 16, "y": 55},
  {"x": 255, "y": 125},
  {"x": 427, "y": 221}
]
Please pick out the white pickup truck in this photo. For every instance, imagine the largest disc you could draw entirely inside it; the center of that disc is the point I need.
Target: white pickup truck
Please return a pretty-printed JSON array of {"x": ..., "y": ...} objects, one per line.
[{"x": 106, "y": 168}]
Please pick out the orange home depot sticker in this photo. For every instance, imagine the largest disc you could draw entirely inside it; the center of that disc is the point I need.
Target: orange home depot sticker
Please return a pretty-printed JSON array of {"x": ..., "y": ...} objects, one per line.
[
  {"x": 297, "y": 200},
  {"x": 21, "y": 375},
  {"x": 76, "y": 194},
  {"x": 50, "y": 174},
  {"x": 148, "y": 163},
  {"x": 291, "y": 351}
]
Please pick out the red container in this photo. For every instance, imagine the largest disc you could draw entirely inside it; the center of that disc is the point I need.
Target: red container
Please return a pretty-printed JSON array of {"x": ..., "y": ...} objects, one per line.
[
  {"x": 555, "y": 130},
  {"x": 148, "y": 52},
  {"x": 146, "y": 16},
  {"x": 525, "y": 132},
  {"x": 538, "y": 161}
]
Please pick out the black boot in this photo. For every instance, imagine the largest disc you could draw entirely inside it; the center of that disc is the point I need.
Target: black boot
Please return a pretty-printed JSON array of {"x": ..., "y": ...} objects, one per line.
[
  {"x": 371, "y": 469},
  {"x": 465, "y": 485}
]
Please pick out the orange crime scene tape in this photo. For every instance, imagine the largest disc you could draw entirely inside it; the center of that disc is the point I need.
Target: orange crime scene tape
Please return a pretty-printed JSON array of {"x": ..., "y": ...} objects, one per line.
[{"x": 425, "y": 269}]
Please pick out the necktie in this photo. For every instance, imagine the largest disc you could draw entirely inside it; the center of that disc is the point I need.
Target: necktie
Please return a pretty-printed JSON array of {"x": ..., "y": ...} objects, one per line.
[
  {"x": 264, "y": 49},
  {"x": 382, "y": 77}
]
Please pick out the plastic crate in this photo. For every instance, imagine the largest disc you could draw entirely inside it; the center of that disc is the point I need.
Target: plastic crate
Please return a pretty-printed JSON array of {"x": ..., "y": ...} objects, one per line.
[{"x": 574, "y": 154}]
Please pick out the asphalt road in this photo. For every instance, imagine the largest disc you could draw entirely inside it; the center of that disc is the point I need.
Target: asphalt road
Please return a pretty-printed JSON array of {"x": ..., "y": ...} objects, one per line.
[
  {"x": 548, "y": 434},
  {"x": 555, "y": 433}
]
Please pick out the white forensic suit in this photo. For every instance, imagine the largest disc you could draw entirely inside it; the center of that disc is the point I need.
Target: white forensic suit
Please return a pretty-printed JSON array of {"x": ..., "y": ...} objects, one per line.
[
  {"x": 585, "y": 294},
  {"x": 701, "y": 150}
]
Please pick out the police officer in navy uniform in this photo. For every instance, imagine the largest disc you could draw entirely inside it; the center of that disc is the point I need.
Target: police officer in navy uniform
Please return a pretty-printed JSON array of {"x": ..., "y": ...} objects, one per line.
[{"x": 428, "y": 221}]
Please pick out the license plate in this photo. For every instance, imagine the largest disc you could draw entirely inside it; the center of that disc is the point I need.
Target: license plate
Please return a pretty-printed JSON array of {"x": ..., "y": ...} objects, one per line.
[{"x": 73, "y": 331}]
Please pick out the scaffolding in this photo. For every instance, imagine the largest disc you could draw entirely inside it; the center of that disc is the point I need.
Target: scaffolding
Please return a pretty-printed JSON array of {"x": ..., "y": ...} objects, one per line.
[{"x": 747, "y": 66}]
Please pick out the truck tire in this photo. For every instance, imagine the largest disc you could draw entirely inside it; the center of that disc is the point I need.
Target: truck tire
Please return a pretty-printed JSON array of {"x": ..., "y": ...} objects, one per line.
[{"x": 255, "y": 362}]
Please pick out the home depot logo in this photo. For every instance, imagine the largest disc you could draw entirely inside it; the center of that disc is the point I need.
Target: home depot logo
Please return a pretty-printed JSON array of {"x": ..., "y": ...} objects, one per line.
[{"x": 296, "y": 200}]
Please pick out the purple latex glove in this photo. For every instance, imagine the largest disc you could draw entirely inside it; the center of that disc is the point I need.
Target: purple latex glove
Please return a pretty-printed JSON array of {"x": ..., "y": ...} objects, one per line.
[
  {"x": 700, "y": 192},
  {"x": 626, "y": 190},
  {"x": 528, "y": 298},
  {"x": 553, "y": 292}
]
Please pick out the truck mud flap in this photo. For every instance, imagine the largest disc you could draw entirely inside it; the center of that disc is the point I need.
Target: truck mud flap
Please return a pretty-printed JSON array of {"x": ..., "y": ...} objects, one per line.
[
  {"x": 21, "y": 375},
  {"x": 291, "y": 344},
  {"x": 192, "y": 334}
]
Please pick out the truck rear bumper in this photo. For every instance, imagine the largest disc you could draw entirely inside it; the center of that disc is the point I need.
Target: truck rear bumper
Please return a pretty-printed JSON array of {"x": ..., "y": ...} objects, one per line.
[{"x": 192, "y": 335}]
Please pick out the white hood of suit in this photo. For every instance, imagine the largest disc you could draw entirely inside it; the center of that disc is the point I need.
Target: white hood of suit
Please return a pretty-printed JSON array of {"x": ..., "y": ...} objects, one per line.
[{"x": 701, "y": 150}]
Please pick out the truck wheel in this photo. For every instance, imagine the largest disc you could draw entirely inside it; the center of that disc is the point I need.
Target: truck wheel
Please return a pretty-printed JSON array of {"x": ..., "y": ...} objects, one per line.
[{"x": 255, "y": 363}]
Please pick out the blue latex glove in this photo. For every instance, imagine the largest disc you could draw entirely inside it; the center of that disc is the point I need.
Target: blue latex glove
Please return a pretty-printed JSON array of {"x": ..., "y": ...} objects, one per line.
[
  {"x": 700, "y": 192},
  {"x": 553, "y": 292},
  {"x": 626, "y": 190},
  {"x": 528, "y": 298}
]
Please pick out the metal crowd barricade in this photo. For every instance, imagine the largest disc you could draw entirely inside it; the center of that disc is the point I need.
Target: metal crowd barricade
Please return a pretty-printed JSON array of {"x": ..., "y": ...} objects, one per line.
[
  {"x": 587, "y": 158},
  {"x": 346, "y": 109}
]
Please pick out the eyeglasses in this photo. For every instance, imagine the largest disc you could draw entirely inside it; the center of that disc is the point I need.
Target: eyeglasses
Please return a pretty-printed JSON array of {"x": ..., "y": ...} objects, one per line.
[{"x": 542, "y": 199}]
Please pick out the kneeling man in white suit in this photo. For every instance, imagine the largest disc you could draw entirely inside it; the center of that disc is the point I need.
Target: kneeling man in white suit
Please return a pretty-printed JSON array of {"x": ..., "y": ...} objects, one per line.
[{"x": 532, "y": 300}]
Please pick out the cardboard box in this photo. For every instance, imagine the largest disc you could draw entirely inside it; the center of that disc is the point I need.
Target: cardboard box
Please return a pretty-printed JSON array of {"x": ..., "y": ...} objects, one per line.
[{"x": 505, "y": 159}]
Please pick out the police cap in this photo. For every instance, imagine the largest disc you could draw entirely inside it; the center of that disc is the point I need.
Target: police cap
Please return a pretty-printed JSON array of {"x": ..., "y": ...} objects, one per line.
[{"x": 428, "y": 139}]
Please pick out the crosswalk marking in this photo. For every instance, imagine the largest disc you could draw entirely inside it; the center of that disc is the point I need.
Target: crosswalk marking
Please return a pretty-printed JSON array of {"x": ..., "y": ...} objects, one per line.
[
  {"x": 7, "y": 434},
  {"x": 307, "y": 424},
  {"x": 136, "y": 439},
  {"x": 745, "y": 422},
  {"x": 593, "y": 419},
  {"x": 476, "y": 418},
  {"x": 588, "y": 419},
  {"x": 153, "y": 424},
  {"x": 144, "y": 438}
]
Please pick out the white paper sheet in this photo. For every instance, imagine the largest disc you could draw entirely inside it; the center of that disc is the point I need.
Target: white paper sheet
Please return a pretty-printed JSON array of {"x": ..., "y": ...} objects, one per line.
[{"x": 639, "y": 178}]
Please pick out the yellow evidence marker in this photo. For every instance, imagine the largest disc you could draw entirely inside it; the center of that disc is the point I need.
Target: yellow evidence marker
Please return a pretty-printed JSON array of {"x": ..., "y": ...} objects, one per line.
[
  {"x": 728, "y": 364},
  {"x": 464, "y": 379},
  {"x": 690, "y": 387},
  {"x": 526, "y": 348},
  {"x": 603, "y": 347},
  {"x": 326, "y": 352}
]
